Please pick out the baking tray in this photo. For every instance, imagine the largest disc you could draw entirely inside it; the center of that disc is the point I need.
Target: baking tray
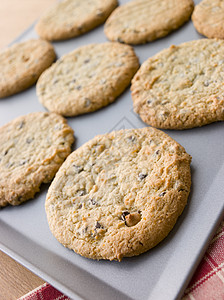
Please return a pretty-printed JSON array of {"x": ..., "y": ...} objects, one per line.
[{"x": 164, "y": 271}]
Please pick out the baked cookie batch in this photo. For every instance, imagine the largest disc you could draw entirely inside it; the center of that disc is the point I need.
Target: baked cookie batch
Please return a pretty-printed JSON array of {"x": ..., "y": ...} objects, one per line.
[{"x": 121, "y": 193}]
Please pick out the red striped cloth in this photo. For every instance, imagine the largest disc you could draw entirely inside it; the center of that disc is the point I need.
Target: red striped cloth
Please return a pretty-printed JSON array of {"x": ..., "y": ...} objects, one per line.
[
  {"x": 206, "y": 284},
  {"x": 208, "y": 280}
]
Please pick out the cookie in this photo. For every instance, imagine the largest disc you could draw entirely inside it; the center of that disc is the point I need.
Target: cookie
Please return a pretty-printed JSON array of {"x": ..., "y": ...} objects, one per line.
[
  {"x": 182, "y": 86},
  {"x": 71, "y": 18},
  {"x": 119, "y": 194},
  {"x": 22, "y": 64},
  {"x": 32, "y": 149},
  {"x": 143, "y": 21},
  {"x": 208, "y": 18},
  {"x": 87, "y": 79}
]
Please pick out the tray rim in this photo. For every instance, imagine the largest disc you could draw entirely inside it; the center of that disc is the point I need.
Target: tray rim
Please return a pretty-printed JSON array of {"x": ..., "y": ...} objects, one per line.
[{"x": 58, "y": 285}]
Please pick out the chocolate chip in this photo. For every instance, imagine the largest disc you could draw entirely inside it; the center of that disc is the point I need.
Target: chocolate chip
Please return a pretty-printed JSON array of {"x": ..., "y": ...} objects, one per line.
[
  {"x": 86, "y": 61},
  {"x": 78, "y": 168},
  {"x": 164, "y": 115},
  {"x": 91, "y": 75},
  {"x": 29, "y": 140},
  {"x": 81, "y": 193},
  {"x": 5, "y": 153},
  {"x": 55, "y": 81},
  {"x": 120, "y": 40},
  {"x": 92, "y": 201},
  {"x": 206, "y": 83},
  {"x": 149, "y": 101},
  {"x": 99, "y": 13},
  {"x": 98, "y": 225},
  {"x": 124, "y": 214},
  {"x": 18, "y": 199},
  {"x": 142, "y": 176},
  {"x": 10, "y": 164},
  {"x": 21, "y": 124},
  {"x": 162, "y": 194},
  {"x": 87, "y": 102},
  {"x": 23, "y": 162},
  {"x": 131, "y": 138},
  {"x": 80, "y": 206},
  {"x": 157, "y": 151},
  {"x": 85, "y": 230}
]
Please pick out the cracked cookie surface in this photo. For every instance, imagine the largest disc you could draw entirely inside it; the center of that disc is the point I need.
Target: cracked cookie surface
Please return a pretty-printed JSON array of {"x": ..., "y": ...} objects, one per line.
[
  {"x": 208, "y": 18},
  {"x": 21, "y": 65},
  {"x": 119, "y": 194},
  {"x": 32, "y": 149},
  {"x": 71, "y": 18},
  {"x": 182, "y": 86},
  {"x": 87, "y": 79},
  {"x": 142, "y": 21}
]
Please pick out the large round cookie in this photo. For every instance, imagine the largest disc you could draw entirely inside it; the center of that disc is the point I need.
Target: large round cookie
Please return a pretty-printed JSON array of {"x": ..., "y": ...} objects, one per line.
[
  {"x": 22, "y": 64},
  {"x": 119, "y": 194},
  {"x": 32, "y": 149},
  {"x": 182, "y": 86},
  {"x": 87, "y": 79},
  {"x": 70, "y": 18},
  {"x": 208, "y": 18},
  {"x": 142, "y": 21}
]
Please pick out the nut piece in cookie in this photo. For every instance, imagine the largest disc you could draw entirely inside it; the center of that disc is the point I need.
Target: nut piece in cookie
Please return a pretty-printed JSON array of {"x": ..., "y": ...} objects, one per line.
[
  {"x": 208, "y": 18},
  {"x": 142, "y": 21},
  {"x": 87, "y": 79},
  {"x": 71, "y": 18},
  {"x": 181, "y": 87},
  {"x": 32, "y": 149},
  {"x": 118, "y": 196},
  {"x": 22, "y": 64}
]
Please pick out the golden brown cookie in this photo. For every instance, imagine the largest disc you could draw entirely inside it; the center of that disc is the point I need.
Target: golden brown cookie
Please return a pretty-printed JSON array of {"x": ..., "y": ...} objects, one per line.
[
  {"x": 32, "y": 149},
  {"x": 22, "y": 64},
  {"x": 87, "y": 79},
  {"x": 119, "y": 194},
  {"x": 70, "y": 18},
  {"x": 208, "y": 18},
  {"x": 182, "y": 86},
  {"x": 142, "y": 21}
]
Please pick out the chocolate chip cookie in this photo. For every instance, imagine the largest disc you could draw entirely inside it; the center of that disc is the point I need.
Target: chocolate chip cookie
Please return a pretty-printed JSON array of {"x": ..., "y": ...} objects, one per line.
[
  {"x": 208, "y": 18},
  {"x": 70, "y": 18},
  {"x": 119, "y": 194},
  {"x": 143, "y": 21},
  {"x": 87, "y": 79},
  {"x": 22, "y": 64},
  {"x": 32, "y": 149},
  {"x": 182, "y": 86}
]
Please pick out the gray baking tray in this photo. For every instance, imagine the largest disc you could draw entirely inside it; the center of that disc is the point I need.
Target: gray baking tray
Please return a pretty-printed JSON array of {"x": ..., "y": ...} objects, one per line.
[{"x": 161, "y": 273}]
